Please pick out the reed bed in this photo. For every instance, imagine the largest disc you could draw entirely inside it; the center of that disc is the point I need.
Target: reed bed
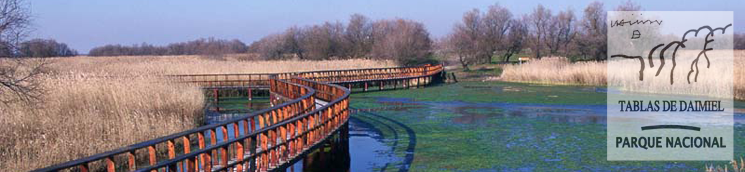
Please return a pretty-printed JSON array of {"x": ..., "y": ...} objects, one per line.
[
  {"x": 739, "y": 75},
  {"x": 80, "y": 116},
  {"x": 559, "y": 70},
  {"x": 160, "y": 65},
  {"x": 556, "y": 70},
  {"x": 84, "y": 111}
]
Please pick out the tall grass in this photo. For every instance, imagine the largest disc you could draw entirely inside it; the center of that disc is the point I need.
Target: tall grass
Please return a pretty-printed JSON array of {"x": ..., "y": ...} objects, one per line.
[
  {"x": 82, "y": 113},
  {"x": 739, "y": 72},
  {"x": 82, "y": 116},
  {"x": 558, "y": 70},
  {"x": 157, "y": 65}
]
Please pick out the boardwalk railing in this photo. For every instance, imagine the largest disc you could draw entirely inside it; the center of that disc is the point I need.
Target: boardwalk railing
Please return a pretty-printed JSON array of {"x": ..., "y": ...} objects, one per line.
[
  {"x": 328, "y": 76},
  {"x": 262, "y": 140},
  {"x": 371, "y": 74},
  {"x": 225, "y": 80},
  {"x": 275, "y": 143}
]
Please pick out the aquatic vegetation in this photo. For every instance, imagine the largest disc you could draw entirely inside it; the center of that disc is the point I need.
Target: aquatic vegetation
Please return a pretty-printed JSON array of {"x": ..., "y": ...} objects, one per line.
[
  {"x": 524, "y": 132},
  {"x": 505, "y": 92}
]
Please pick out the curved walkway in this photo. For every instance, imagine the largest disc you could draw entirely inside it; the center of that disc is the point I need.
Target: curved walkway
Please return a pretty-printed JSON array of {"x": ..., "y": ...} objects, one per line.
[{"x": 262, "y": 140}]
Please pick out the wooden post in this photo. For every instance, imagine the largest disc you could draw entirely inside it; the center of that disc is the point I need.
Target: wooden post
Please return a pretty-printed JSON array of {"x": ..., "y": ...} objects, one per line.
[
  {"x": 238, "y": 147},
  {"x": 250, "y": 96},
  {"x": 264, "y": 146},
  {"x": 110, "y": 167},
  {"x": 417, "y": 82},
  {"x": 252, "y": 151},
  {"x": 271, "y": 99},
  {"x": 213, "y": 141},
  {"x": 132, "y": 162},
  {"x": 190, "y": 166},
  {"x": 171, "y": 149},
  {"x": 171, "y": 153},
  {"x": 215, "y": 93},
  {"x": 83, "y": 167},
  {"x": 200, "y": 138},
  {"x": 151, "y": 153},
  {"x": 224, "y": 150},
  {"x": 207, "y": 162}
]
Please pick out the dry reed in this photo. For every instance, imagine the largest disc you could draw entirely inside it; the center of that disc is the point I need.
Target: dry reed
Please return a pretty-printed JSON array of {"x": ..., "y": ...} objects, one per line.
[
  {"x": 83, "y": 116},
  {"x": 557, "y": 70},
  {"x": 158, "y": 65}
]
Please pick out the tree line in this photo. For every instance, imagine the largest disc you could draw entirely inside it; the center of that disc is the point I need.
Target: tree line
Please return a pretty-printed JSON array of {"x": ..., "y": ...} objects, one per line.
[
  {"x": 497, "y": 33},
  {"x": 209, "y": 46},
  {"x": 739, "y": 41},
  {"x": 494, "y": 35},
  {"x": 403, "y": 40},
  {"x": 36, "y": 48}
]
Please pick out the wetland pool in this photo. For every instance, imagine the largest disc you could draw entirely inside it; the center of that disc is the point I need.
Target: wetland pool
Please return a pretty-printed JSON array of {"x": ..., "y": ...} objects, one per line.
[
  {"x": 485, "y": 126},
  {"x": 500, "y": 126}
]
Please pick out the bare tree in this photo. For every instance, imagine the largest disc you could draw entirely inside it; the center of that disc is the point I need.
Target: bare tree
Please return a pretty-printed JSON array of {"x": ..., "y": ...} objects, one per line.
[
  {"x": 628, "y": 6},
  {"x": 593, "y": 35},
  {"x": 539, "y": 26},
  {"x": 460, "y": 44},
  {"x": 271, "y": 47},
  {"x": 359, "y": 36},
  {"x": 496, "y": 23},
  {"x": 292, "y": 41},
  {"x": 208, "y": 46},
  {"x": 45, "y": 48},
  {"x": 560, "y": 32},
  {"x": 18, "y": 77},
  {"x": 739, "y": 41},
  {"x": 405, "y": 41},
  {"x": 14, "y": 23},
  {"x": 516, "y": 38},
  {"x": 465, "y": 40},
  {"x": 318, "y": 42}
]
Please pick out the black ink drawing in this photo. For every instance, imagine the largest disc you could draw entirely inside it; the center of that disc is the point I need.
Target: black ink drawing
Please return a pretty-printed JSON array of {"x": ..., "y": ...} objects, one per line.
[
  {"x": 622, "y": 22},
  {"x": 636, "y": 34},
  {"x": 679, "y": 44}
]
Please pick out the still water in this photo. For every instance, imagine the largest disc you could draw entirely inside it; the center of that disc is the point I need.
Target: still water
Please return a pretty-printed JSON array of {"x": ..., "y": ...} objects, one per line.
[{"x": 484, "y": 126}]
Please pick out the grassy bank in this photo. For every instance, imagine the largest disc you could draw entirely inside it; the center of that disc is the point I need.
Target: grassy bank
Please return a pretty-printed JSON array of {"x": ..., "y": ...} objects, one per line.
[{"x": 81, "y": 113}]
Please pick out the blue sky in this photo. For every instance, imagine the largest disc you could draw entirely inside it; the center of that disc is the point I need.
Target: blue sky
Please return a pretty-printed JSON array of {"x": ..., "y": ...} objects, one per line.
[{"x": 84, "y": 24}]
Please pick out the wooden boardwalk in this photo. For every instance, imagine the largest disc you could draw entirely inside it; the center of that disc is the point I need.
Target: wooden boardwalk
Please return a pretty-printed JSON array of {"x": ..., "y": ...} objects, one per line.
[{"x": 317, "y": 106}]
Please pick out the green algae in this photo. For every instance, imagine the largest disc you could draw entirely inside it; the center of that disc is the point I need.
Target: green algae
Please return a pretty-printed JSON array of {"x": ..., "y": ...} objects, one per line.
[
  {"x": 475, "y": 92},
  {"x": 501, "y": 142}
]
